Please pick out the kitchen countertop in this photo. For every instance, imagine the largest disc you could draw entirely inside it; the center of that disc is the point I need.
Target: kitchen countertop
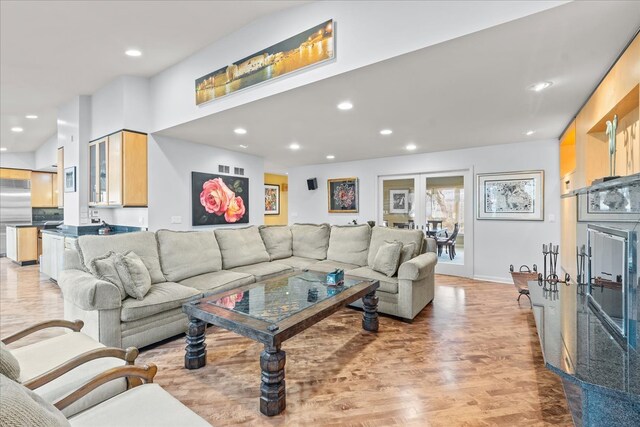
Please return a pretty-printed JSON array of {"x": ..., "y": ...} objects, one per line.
[
  {"x": 75, "y": 232},
  {"x": 33, "y": 224}
]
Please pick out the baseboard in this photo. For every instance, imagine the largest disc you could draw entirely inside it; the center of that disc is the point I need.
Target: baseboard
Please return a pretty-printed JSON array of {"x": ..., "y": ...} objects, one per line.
[{"x": 505, "y": 280}]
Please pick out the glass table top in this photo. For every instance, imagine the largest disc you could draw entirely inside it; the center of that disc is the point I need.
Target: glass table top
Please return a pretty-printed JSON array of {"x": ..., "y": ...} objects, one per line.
[{"x": 277, "y": 299}]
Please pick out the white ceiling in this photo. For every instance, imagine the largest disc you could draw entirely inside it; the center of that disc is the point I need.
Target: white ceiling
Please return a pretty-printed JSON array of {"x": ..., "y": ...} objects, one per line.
[
  {"x": 51, "y": 51},
  {"x": 467, "y": 92}
]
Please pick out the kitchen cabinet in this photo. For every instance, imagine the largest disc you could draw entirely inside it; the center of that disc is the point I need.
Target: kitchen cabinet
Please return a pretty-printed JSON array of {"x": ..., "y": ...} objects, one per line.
[
  {"x": 118, "y": 170},
  {"x": 43, "y": 190},
  {"x": 21, "y": 174},
  {"x": 60, "y": 178},
  {"x": 52, "y": 259},
  {"x": 22, "y": 244}
]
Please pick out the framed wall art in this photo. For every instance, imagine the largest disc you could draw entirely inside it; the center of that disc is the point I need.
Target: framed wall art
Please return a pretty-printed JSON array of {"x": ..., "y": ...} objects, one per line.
[
  {"x": 219, "y": 199},
  {"x": 619, "y": 204},
  {"x": 343, "y": 195},
  {"x": 511, "y": 196},
  {"x": 398, "y": 201},
  {"x": 70, "y": 179},
  {"x": 271, "y": 199}
]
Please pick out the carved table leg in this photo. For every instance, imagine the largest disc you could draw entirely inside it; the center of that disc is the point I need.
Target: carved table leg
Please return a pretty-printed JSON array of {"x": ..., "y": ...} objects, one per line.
[
  {"x": 196, "y": 354},
  {"x": 370, "y": 315},
  {"x": 272, "y": 390}
]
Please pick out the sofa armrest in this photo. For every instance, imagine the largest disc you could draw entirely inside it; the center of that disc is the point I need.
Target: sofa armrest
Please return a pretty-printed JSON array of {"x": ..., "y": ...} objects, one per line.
[
  {"x": 418, "y": 267},
  {"x": 431, "y": 245},
  {"x": 87, "y": 291}
]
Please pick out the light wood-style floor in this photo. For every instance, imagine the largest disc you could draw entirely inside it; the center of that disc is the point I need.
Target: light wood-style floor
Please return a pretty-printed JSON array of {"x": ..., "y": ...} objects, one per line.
[{"x": 471, "y": 358}]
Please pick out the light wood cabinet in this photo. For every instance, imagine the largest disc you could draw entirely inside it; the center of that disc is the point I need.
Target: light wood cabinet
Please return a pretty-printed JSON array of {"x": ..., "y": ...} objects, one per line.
[
  {"x": 43, "y": 190},
  {"x": 22, "y": 244},
  {"x": 118, "y": 170},
  {"x": 60, "y": 178},
  {"x": 15, "y": 173}
]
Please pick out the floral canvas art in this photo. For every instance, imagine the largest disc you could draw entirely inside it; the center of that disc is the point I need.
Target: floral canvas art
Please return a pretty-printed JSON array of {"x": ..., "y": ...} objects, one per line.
[
  {"x": 343, "y": 195},
  {"x": 512, "y": 196},
  {"x": 219, "y": 199},
  {"x": 271, "y": 199}
]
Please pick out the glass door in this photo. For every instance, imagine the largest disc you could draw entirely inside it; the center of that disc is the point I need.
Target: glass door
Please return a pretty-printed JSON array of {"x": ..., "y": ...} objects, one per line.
[{"x": 398, "y": 201}]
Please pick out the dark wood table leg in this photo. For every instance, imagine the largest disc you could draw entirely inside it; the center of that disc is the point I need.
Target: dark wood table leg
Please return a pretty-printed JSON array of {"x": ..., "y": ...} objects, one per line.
[
  {"x": 196, "y": 354},
  {"x": 370, "y": 315},
  {"x": 272, "y": 390}
]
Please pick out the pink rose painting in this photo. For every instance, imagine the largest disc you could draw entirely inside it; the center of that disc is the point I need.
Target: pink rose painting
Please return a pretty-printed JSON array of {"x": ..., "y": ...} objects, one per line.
[{"x": 219, "y": 199}]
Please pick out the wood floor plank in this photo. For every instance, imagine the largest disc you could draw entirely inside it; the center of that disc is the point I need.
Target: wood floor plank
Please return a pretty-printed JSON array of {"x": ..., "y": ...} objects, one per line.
[{"x": 471, "y": 358}]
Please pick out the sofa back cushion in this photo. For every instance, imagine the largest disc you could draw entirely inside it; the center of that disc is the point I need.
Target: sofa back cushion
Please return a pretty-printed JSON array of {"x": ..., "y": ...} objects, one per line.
[
  {"x": 381, "y": 234},
  {"x": 185, "y": 254},
  {"x": 241, "y": 246},
  {"x": 23, "y": 407},
  {"x": 143, "y": 243},
  {"x": 278, "y": 240},
  {"x": 349, "y": 243},
  {"x": 310, "y": 240}
]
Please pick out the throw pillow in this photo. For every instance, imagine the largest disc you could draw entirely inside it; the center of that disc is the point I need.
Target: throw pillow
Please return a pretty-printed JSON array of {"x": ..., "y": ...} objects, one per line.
[
  {"x": 22, "y": 407},
  {"x": 388, "y": 258},
  {"x": 9, "y": 365},
  {"x": 104, "y": 268},
  {"x": 134, "y": 274},
  {"x": 408, "y": 250}
]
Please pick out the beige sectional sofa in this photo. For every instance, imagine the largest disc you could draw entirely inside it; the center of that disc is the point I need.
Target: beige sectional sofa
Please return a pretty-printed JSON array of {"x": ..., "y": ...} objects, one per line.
[{"x": 188, "y": 265}]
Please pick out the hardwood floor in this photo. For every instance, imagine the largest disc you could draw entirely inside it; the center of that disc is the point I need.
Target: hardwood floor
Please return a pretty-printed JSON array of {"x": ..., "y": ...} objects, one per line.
[{"x": 471, "y": 358}]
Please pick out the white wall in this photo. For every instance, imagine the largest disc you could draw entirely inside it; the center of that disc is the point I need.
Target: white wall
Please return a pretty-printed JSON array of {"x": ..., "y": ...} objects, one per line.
[
  {"x": 497, "y": 243},
  {"x": 171, "y": 162},
  {"x": 47, "y": 155},
  {"x": 366, "y": 32},
  {"x": 21, "y": 160}
]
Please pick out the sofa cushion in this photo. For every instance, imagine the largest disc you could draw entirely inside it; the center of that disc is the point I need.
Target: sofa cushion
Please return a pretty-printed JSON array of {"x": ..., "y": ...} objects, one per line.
[
  {"x": 241, "y": 246},
  {"x": 22, "y": 407},
  {"x": 263, "y": 270},
  {"x": 388, "y": 258},
  {"x": 408, "y": 252},
  {"x": 161, "y": 297},
  {"x": 310, "y": 240},
  {"x": 9, "y": 365},
  {"x": 134, "y": 274},
  {"x": 381, "y": 234},
  {"x": 143, "y": 243},
  {"x": 104, "y": 268},
  {"x": 349, "y": 243},
  {"x": 218, "y": 279},
  {"x": 387, "y": 284},
  {"x": 185, "y": 254},
  {"x": 278, "y": 240},
  {"x": 328, "y": 266},
  {"x": 297, "y": 262}
]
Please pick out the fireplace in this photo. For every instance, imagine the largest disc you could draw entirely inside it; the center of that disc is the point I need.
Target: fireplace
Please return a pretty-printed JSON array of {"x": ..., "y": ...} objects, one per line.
[{"x": 612, "y": 266}]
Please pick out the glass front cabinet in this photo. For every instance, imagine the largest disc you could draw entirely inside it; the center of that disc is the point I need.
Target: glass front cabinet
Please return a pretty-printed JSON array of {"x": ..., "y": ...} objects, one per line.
[{"x": 118, "y": 170}]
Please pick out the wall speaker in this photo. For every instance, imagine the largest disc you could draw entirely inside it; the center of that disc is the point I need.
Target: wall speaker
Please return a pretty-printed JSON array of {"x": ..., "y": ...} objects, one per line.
[{"x": 312, "y": 184}]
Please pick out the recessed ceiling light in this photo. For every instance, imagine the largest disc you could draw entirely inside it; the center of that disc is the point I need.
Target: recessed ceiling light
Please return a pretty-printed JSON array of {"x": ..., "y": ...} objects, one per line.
[
  {"x": 16, "y": 129},
  {"x": 240, "y": 131},
  {"x": 295, "y": 146},
  {"x": 411, "y": 147},
  {"x": 346, "y": 105},
  {"x": 31, "y": 116},
  {"x": 538, "y": 87},
  {"x": 133, "y": 52},
  {"x": 386, "y": 132},
  {"x": 331, "y": 157},
  {"x": 530, "y": 132},
  {"x": 3, "y": 148},
  {"x": 244, "y": 146}
]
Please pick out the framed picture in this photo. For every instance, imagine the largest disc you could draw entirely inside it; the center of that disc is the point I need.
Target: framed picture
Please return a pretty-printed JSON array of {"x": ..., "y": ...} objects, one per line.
[
  {"x": 343, "y": 195},
  {"x": 398, "y": 201},
  {"x": 511, "y": 196},
  {"x": 271, "y": 199},
  {"x": 219, "y": 199},
  {"x": 619, "y": 204},
  {"x": 308, "y": 48},
  {"x": 70, "y": 179}
]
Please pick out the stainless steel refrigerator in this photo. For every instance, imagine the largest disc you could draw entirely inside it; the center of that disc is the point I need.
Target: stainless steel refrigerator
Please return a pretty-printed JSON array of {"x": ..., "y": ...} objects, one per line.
[{"x": 15, "y": 207}]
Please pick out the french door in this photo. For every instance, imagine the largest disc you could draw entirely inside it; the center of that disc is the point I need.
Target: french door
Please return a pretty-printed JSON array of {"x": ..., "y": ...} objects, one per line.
[{"x": 438, "y": 203}]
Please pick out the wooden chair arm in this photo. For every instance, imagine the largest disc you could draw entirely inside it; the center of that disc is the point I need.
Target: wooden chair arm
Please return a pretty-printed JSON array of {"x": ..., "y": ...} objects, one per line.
[
  {"x": 146, "y": 373},
  {"x": 75, "y": 326},
  {"x": 129, "y": 356}
]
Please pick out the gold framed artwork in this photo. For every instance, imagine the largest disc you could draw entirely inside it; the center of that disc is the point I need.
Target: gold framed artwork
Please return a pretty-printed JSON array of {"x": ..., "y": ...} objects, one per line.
[{"x": 343, "y": 195}]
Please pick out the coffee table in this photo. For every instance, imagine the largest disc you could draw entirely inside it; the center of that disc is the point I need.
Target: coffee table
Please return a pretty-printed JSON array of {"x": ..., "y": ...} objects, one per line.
[{"x": 271, "y": 312}]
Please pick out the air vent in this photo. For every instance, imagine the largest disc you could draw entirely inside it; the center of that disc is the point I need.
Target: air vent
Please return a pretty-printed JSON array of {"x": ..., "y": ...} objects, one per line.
[
  {"x": 238, "y": 171},
  {"x": 223, "y": 169}
]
